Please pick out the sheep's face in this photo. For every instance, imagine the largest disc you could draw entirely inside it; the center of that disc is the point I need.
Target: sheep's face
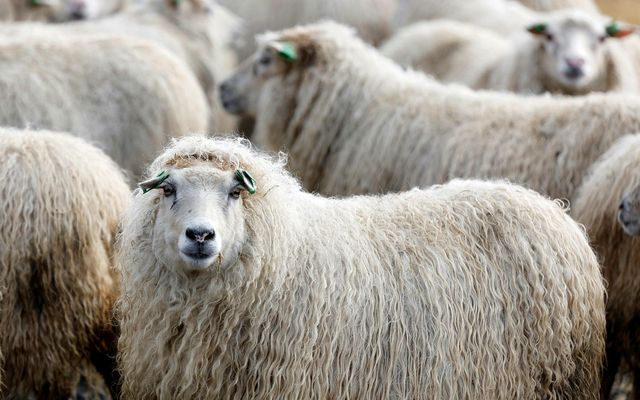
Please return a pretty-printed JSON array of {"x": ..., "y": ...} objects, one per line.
[
  {"x": 200, "y": 221},
  {"x": 240, "y": 93},
  {"x": 629, "y": 212},
  {"x": 573, "y": 50}
]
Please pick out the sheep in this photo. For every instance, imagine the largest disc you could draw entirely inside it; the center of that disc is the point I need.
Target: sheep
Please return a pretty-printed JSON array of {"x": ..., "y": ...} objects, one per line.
[
  {"x": 286, "y": 294},
  {"x": 198, "y": 32},
  {"x": 61, "y": 202},
  {"x": 372, "y": 18},
  {"x": 57, "y": 10},
  {"x": 498, "y": 15},
  {"x": 126, "y": 96},
  {"x": 567, "y": 53},
  {"x": 550, "y": 5},
  {"x": 607, "y": 204},
  {"x": 337, "y": 105}
]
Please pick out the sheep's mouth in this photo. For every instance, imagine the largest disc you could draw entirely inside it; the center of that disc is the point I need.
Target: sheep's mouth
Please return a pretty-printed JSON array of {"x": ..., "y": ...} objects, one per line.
[
  {"x": 198, "y": 259},
  {"x": 198, "y": 254}
]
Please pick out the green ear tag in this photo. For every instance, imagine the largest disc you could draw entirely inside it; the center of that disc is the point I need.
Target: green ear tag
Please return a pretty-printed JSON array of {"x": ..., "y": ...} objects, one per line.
[
  {"x": 157, "y": 181},
  {"x": 613, "y": 29},
  {"x": 537, "y": 29},
  {"x": 246, "y": 180},
  {"x": 288, "y": 51}
]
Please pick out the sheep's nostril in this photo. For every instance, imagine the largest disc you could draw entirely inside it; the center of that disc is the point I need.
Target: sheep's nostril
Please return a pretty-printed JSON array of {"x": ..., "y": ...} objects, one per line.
[
  {"x": 622, "y": 205},
  {"x": 200, "y": 235}
]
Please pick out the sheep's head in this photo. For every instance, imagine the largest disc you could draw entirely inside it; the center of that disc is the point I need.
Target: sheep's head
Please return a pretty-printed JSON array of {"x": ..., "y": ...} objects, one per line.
[
  {"x": 572, "y": 46},
  {"x": 274, "y": 59},
  {"x": 199, "y": 223},
  {"x": 629, "y": 212}
]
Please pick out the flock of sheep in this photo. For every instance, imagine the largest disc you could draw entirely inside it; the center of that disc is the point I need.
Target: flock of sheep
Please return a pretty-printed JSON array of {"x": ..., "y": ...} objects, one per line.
[{"x": 357, "y": 204}]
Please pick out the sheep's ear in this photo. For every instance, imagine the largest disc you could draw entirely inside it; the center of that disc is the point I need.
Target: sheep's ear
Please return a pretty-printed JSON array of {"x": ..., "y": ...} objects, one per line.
[
  {"x": 614, "y": 30},
  {"x": 537, "y": 29},
  {"x": 286, "y": 50},
  {"x": 246, "y": 180},
  {"x": 153, "y": 183}
]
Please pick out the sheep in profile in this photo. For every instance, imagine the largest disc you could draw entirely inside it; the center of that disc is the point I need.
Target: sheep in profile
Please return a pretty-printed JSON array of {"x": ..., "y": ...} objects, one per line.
[
  {"x": 571, "y": 52},
  {"x": 371, "y": 18},
  {"x": 127, "y": 96},
  {"x": 550, "y": 5},
  {"x": 249, "y": 287},
  {"x": 336, "y": 105},
  {"x": 607, "y": 203},
  {"x": 61, "y": 203}
]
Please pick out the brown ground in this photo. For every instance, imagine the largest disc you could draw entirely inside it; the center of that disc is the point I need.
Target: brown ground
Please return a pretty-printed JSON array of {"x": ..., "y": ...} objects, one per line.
[{"x": 625, "y": 10}]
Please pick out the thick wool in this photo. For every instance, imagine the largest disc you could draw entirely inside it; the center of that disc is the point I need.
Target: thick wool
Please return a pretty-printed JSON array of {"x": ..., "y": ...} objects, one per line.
[
  {"x": 371, "y": 18},
  {"x": 615, "y": 175},
  {"x": 61, "y": 202},
  {"x": 349, "y": 111},
  {"x": 470, "y": 290},
  {"x": 198, "y": 32},
  {"x": 456, "y": 52},
  {"x": 126, "y": 96},
  {"x": 498, "y": 15},
  {"x": 550, "y": 5}
]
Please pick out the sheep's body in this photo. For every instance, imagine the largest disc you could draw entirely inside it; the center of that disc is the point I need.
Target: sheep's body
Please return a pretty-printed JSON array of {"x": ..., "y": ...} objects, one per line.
[
  {"x": 61, "y": 203},
  {"x": 481, "y": 59},
  {"x": 372, "y": 18},
  {"x": 443, "y": 293},
  {"x": 126, "y": 96},
  {"x": 498, "y": 15},
  {"x": 596, "y": 205},
  {"x": 391, "y": 129},
  {"x": 550, "y": 5},
  {"x": 201, "y": 39}
]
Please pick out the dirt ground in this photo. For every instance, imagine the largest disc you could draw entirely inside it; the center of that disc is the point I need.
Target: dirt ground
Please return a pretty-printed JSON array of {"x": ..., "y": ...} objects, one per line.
[{"x": 624, "y": 10}]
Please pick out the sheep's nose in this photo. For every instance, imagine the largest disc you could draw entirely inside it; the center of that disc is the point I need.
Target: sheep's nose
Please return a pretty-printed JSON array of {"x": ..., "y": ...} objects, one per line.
[
  {"x": 624, "y": 205},
  {"x": 200, "y": 234},
  {"x": 574, "y": 62},
  {"x": 225, "y": 87},
  {"x": 77, "y": 9}
]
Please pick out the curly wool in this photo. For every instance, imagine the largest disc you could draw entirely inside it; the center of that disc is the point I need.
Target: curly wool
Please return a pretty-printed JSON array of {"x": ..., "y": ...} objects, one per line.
[
  {"x": 61, "y": 200},
  {"x": 469, "y": 290},
  {"x": 353, "y": 111},
  {"x": 615, "y": 174},
  {"x": 126, "y": 96},
  {"x": 455, "y": 52}
]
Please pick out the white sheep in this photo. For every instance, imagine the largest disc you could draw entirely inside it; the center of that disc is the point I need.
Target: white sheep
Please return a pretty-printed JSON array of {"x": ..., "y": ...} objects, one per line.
[
  {"x": 608, "y": 204},
  {"x": 199, "y": 32},
  {"x": 57, "y": 10},
  {"x": 338, "y": 106},
  {"x": 60, "y": 204},
  {"x": 127, "y": 96},
  {"x": 237, "y": 284},
  {"x": 550, "y": 5},
  {"x": 371, "y": 18},
  {"x": 569, "y": 52},
  {"x": 498, "y": 15}
]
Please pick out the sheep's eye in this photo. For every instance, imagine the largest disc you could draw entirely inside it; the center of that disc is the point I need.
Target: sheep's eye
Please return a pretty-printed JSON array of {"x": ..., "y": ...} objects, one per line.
[
  {"x": 235, "y": 193},
  {"x": 549, "y": 36},
  {"x": 168, "y": 190},
  {"x": 264, "y": 60},
  {"x": 602, "y": 38}
]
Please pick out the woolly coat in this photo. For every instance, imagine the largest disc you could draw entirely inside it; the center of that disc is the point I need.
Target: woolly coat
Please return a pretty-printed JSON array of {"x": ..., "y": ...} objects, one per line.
[
  {"x": 459, "y": 291},
  {"x": 127, "y": 96},
  {"x": 61, "y": 203},
  {"x": 389, "y": 129}
]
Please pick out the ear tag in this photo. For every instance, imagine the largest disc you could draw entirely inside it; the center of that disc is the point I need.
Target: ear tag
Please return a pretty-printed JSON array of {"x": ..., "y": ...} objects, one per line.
[
  {"x": 287, "y": 51},
  {"x": 537, "y": 29},
  {"x": 158, "y": 180},
  {"x": 613, "y": 29},
  {"x": 246, "y": 180}
]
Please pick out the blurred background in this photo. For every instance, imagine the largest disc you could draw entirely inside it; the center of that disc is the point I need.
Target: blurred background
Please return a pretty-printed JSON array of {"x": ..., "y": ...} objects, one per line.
[{"x": 628, "y": 10}]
